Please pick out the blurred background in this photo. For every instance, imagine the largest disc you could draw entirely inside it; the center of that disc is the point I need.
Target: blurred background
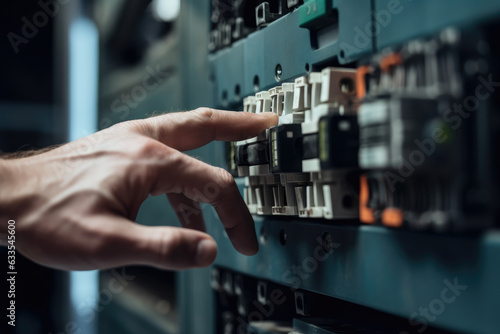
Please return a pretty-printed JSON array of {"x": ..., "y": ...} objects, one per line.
[{"x": 69, "y": 68}]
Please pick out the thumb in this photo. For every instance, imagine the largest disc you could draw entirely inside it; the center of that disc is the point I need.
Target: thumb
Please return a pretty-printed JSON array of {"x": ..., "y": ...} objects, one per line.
[
  {"x": 174, "y": 247},
  {"x": 164, "y": 247}
]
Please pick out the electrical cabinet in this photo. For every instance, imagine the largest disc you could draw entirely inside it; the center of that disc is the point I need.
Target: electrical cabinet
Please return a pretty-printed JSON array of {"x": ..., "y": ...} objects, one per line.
[{"x": 375, "y": 197}]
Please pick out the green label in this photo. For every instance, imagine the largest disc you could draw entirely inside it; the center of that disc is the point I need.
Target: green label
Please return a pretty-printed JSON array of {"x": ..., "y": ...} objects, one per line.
[
  {"x": 323, "y": 141},
  {"x": 310, "y": 11}
]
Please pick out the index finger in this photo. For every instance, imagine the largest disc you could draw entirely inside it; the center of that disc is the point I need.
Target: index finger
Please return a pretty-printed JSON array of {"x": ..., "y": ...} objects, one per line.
[{"x": 192, "y": 129}]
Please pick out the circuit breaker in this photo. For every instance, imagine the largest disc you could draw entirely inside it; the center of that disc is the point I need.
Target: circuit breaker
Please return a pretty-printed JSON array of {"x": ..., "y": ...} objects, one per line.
[{"x": 387, "y": 143}]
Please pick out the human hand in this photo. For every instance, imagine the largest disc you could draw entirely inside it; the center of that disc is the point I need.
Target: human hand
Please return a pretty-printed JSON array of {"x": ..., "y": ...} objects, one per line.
[{"x": 74, "y": 206}]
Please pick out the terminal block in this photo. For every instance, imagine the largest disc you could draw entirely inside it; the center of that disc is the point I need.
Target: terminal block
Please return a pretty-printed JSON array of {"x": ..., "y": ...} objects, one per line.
[
  {"x": 407, "y": 126},
  {"x": 233, "y": 20},
  {"x": 230, "y": 22},
  {"x": 282, "y": 103},
  {"x": 268, "y": 11},
  {"x": 338, "y": 141},
  {"x": 305, "y": 166},
  {"x": 394, "y": 142},
  {"x": 285, "y": 148},
  {"x": 333, "y": 91},
  {"x": 421, "y": 128},
  {"x": 251, "y": 154},
  {"x": 249, "y": 104}
]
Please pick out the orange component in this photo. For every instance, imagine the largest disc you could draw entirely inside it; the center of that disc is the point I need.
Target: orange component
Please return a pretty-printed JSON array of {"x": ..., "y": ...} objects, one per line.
[
  {"x": 360, "y": 80},
  {"x": 392, "y": 217},
  {"x": 389, "y": 61},
  {"x": 365, "y": 213}
]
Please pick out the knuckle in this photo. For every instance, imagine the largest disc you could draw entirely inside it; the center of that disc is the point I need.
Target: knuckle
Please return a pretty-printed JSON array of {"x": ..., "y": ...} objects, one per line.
[
  {"x": 150, "y": 127},
  {"x": 132, "y": 125},
  {"x": 170, "y": 245},
  {"x": 226, "y": 184},
  {"x": 206, "y": 119},
  {"x": 224, "y": 178},
  {"x": 146, "y": 148},
  {"x": 176, "y": 158},
  {"x": 206, "y": 114}
]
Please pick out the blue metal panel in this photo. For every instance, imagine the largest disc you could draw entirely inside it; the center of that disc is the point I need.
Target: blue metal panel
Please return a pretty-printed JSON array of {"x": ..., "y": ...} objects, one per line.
[
  {"x": 422, "y": 17},
  {"x": 229, "y": 65},
  {"x": 253, "y": 62},
  {"x": 354, "y": 19},
  {"x": 396, "y": 271}
]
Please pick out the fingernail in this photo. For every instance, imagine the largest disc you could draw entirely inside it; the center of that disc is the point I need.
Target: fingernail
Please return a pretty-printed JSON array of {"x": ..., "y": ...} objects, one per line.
[
  {"x": 268, "y": 113},
  {"x": 273, "y": 120},
  {"x": 254, "y": 248},
  {"x": 205, "y": 252}
]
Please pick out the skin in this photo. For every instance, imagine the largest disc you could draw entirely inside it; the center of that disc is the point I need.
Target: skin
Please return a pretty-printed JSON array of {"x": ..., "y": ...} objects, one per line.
[{"x": 75, "y": 205}]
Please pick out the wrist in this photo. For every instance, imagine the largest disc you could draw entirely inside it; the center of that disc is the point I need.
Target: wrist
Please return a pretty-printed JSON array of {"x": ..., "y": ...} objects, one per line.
[
  {"x": 10, "y": 195},
  {"x": 6, "y": 177},
  {"x": 5, "y": 185}
]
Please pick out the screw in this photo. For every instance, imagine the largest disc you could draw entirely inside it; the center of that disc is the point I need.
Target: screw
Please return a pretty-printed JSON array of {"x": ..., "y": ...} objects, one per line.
[{"x": 278, "y": 72}]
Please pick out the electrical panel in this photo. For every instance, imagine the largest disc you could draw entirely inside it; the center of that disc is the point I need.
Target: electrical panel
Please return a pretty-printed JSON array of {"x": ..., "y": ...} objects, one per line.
[{"x": 378, "y": 188}]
